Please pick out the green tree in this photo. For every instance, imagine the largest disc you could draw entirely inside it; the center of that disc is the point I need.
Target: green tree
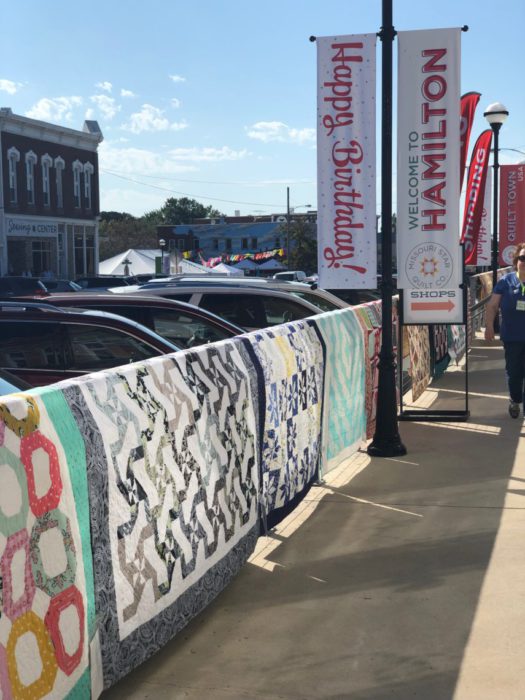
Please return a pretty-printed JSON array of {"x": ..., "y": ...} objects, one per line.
[
  {"x": 303, "y": 245},
  {"x": 116, "y": 236},
  {"x": 181, "y": 211},
  {"x": 115, "y": 216}
]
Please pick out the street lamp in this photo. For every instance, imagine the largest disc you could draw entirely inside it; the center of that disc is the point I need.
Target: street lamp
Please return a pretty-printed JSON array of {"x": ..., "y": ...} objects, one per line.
[
  {"x": 162, "y": 244},
  {"x": 495, "y": 114},
  {"x": 386, "y": 441}
]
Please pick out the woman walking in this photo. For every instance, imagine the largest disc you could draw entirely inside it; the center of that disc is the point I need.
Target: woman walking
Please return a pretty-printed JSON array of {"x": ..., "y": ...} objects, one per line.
[{"x": 509, "y": 295}]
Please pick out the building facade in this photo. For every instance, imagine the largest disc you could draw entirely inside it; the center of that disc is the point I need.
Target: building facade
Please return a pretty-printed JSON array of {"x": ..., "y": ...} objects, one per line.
[
  {"x": 231, "y": 235},
  {"x": 49, "y": 198}
]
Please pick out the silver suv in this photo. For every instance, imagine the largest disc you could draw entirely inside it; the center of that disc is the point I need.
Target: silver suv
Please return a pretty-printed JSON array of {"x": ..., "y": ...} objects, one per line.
[{"x": 248, "y": 303}]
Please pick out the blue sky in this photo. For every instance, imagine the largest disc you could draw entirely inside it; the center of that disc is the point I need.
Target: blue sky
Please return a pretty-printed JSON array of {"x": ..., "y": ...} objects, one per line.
[{"x": 216, "y": 100}]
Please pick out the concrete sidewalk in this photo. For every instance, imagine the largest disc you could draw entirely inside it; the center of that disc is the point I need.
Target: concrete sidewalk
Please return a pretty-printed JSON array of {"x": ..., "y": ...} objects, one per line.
[{"x": 399, "y": 578}]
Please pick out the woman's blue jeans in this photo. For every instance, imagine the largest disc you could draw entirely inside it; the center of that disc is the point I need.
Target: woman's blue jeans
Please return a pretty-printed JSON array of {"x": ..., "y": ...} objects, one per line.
[{"x": 515, "y": 369}]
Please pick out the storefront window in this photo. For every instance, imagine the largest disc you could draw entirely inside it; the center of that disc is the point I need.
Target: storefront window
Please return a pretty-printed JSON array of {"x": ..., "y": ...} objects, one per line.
[
  {"x": 90, "y": 250},
  {"x": 79, "y": 251},
  {"x": 41, "y": 252}
]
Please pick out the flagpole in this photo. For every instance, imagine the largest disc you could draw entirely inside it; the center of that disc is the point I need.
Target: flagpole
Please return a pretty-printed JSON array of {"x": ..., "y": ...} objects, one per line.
[{"x": 386, "y": 441}]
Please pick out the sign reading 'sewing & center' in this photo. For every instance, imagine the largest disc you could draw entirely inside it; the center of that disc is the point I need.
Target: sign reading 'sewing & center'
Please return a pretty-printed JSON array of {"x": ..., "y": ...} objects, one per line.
[
  {"x": 346, "y": 162},
  {"x": 428, "y": 173}
]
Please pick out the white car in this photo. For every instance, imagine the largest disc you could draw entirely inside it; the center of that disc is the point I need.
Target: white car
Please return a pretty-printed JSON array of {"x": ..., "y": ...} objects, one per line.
[{"x": 248, "y": 303}]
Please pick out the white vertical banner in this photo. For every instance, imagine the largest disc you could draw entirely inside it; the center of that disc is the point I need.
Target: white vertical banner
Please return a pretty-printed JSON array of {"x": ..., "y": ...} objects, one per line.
[
  {"x": 346, "y": 162},
  {"x": 428, "y": 147},
  {"x": 484, "y": 237}
]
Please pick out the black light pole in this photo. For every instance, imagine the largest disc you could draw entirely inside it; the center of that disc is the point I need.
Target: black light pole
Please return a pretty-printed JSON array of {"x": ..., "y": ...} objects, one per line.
[
  {"x": 495, "y": 114},
  {"x": 386, "y": 441}
]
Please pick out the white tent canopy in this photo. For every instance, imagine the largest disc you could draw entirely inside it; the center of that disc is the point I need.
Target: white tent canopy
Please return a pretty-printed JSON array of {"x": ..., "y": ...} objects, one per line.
[
  {"x": 192, "y": 268},
  {"x": 247, "y": 264},
  {"x": 139, "y": 262},
  {"x": 228, "y": 269},
  {"x": 272, "y": 264}
]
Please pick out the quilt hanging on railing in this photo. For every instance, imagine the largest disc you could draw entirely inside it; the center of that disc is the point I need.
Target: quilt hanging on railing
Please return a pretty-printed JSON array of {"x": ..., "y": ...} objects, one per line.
[
  {"x": 174, "y": 477},
  {"x": 344, "y": 415},
  {"x": 290, "y": 363},
  {"x": 47, "y": 601}
]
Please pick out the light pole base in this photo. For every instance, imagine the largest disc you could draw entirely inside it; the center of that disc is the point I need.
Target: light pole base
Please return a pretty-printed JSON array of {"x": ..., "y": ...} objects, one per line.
[{"x": 387, "y": 448}]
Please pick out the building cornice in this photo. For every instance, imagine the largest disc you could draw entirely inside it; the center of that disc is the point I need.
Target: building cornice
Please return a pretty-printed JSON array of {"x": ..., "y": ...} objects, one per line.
[{"x": 34, "y": 128}]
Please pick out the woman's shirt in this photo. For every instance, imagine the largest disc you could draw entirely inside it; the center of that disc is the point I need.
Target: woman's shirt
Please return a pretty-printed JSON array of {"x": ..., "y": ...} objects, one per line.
[{"x": 512, "y": 307}]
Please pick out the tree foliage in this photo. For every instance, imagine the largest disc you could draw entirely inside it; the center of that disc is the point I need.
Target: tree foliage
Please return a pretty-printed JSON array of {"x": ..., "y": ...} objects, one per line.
[
  {"x": 119, "y": 231},
  {"x": 116, "y": 236},
  {"x": 303, "y": 245},
  {"x": 181, "y": 211}
]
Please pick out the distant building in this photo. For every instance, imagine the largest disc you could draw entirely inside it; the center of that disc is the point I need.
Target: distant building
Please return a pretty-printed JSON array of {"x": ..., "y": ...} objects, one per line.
[
  {"x": 49, "y": 199},
  {"x": 230, "y": 235}
]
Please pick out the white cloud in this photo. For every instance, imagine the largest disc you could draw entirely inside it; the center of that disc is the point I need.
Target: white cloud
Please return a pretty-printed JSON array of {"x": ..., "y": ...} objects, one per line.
[
  {"x": 174, "y": 102},
  {"x": 106, "y": 105},
  {"x": 127, "y": 93},
  {"x": 151, "y": 119},
  {"x": 9, "y": 86},
  {"x": 278, "y": 131},
  {"x": 137, "y": 162},
  {"x": 54, "y": 109},
  {"x": 105, "y": 85},
  {"x": 207, "y": 154},
  {"x": 90, "y": 113},
  {"x": 177, "y": 78}
]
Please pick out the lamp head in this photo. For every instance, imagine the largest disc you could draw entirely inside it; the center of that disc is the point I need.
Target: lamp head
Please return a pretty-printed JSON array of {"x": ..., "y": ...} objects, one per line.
[{"x": 496, "y": 114}]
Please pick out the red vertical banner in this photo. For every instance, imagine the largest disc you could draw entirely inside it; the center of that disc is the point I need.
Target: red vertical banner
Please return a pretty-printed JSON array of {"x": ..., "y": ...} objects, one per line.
[
  {"x": 469, "y": 102},
  {"x": 475, "y": 195},
  {"x": 511, "y": 211}
]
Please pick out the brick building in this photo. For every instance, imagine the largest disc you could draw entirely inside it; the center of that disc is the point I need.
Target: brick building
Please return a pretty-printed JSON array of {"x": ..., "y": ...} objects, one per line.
[{"x": 49, "y": 198}]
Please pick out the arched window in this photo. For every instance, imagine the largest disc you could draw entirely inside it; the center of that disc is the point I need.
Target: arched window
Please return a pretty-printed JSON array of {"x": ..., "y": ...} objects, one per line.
[
  {"x": 31, "y": 161},
  {"x": 59, "y": 169},
  {"x": 77, "y": 194},
  {"x": 46, "y": 161},
  {"x": 88, "y": 172},
  {"x": 13, "y": 157}
]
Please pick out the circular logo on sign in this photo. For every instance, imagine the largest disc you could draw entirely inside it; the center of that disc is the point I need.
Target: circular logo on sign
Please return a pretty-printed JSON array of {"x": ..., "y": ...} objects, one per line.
[
  {"x": 507, "y": 254},
  {"x": 429, "y": 266}
]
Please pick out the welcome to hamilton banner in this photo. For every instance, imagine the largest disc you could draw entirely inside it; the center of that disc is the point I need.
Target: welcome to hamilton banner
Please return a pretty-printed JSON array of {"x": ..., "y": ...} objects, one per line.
[
  {"x": 428, "y": 177},
  {"x": 346, "y": 161}
]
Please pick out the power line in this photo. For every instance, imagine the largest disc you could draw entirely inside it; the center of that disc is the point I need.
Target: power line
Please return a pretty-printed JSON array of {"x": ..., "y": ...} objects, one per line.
[
  {"x": 187, "y": 194},
  {"x": 241, "y": 183}
]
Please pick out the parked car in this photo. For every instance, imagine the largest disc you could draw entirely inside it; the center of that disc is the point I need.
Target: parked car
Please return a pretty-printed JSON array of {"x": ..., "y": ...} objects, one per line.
[
  {"x": 42, "y": 344},
  {"x": 182, "y": 324},
  {"x": 245, "y": 304},
  {"x": 9, "y": 384},
  {"x": 104, "y": 282},
  {"x": 13, "y": 286},
  {"x": 318, "y": 297},
  {"x": 61, "y": 286}
]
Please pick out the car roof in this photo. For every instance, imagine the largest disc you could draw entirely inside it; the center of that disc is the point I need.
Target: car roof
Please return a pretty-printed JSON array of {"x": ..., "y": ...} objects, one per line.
[
  {"x": 195, "y": 286},
  {"x": 147, "y": 300},
  {"x": 255, "y": 291}
]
